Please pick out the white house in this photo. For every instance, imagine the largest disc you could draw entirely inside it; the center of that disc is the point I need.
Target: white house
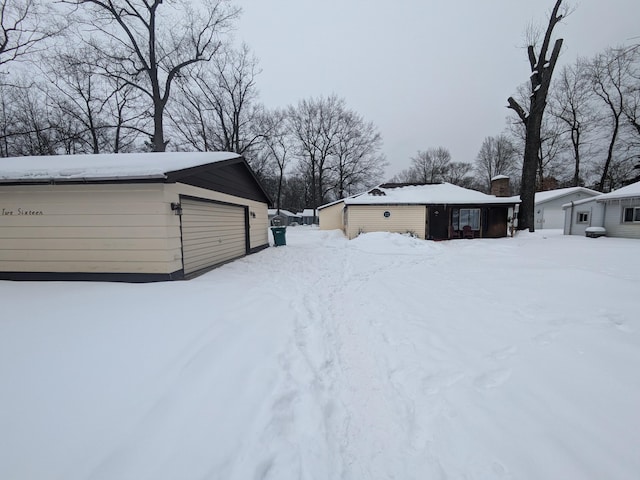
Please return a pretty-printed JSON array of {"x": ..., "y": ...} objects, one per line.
[
  {"x": 618, "y": 212},
  {"x": 549, "y": 211}
]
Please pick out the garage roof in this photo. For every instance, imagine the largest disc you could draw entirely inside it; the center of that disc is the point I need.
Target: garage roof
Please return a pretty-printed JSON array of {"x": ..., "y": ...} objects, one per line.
[
  {"x": 430, "y": 194},
  {"x": 548, "y": 195},
  {"x": 102, "y": 167}
]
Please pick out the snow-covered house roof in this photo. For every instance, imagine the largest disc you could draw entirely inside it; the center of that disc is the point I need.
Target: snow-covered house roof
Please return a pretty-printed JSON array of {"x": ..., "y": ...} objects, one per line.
[
  {"x": 429, "y": 194},
  {"x": 548, "y": 195},
  {"x": 629, "y": 191},
  {"x": 307, "y": 212},
  {"x": 112, "y": 166}
]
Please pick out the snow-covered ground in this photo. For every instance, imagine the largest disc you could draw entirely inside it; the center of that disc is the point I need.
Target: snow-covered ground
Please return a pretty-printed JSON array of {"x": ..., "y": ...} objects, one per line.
[{"x": 377, "y": 358}]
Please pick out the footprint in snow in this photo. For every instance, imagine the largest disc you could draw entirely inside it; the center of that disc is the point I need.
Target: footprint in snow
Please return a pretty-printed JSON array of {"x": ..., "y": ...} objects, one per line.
[
  {"x": 433, "y": 384},
  {"x": 504, "y": 353},
  {"x": 492, "y": 379},
  {"x": 546, "y": 338},
  {"x": 616, "y": 321}
]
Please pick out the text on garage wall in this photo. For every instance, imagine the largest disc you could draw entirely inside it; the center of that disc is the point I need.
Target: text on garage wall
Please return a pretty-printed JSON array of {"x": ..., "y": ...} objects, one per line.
[{"x": 20, "y": 211}]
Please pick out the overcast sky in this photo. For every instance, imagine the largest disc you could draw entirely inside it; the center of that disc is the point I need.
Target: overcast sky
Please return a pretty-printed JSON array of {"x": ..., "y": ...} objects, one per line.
[{"x": 427, "y": 73}]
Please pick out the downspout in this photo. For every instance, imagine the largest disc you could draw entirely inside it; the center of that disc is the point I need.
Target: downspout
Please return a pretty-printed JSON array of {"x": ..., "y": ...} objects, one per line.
[{"x": 571, "y": 219}]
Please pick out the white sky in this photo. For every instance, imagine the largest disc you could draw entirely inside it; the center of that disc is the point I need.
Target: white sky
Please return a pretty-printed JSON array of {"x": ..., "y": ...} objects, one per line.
[{"x": 427, "y": 74}]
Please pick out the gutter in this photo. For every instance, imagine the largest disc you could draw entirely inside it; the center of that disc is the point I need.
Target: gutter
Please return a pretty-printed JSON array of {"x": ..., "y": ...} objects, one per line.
[
  {"x": 52, "y": 180},
  {"x": 571, "y": 219}
]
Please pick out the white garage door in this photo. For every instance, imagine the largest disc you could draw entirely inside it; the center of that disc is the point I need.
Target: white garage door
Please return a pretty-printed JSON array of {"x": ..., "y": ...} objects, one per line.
[{"x": 212, "y": 234}]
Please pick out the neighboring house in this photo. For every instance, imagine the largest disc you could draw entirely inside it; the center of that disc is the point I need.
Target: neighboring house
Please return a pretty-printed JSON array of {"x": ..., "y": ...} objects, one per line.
[
  {"x": 288, "y": 218},
  {"x": 127, "y": 217},
  {"x": 308, "y": 217},
  {"x": 618, "y": 212},
  {"x": 548, "y": 205},
  {"x": 429, "y": 211}
]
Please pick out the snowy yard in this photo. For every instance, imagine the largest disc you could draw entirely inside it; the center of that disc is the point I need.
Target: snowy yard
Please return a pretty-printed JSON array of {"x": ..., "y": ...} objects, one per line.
[{"x": 377, "y": 358}]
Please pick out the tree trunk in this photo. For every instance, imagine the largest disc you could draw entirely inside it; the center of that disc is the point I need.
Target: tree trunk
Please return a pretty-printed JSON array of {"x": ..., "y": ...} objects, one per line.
[
  {"x": 607, "y": 163},
  {"x": 158, "y": 144},
  {"x": 575, "y": 137},
  {"x": 541, "y": 72}
]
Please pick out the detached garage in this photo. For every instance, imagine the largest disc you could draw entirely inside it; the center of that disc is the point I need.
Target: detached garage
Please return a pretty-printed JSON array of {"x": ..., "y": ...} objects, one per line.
[{"x": 127, "y": 217}]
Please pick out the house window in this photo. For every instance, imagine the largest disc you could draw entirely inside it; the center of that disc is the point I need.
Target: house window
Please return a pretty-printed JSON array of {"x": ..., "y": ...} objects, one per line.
[
  {"x": 583, "y": 217},
  {"x": 631, "y": 214},
  {"x": 466, "y": 216}
]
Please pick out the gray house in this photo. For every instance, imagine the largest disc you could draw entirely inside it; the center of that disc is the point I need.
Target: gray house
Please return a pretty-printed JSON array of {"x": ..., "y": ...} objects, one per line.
[
  {"x": 618, "y": 212},
  {"x": 548, "y": 205},
  {"x": 288, "y": 218}
]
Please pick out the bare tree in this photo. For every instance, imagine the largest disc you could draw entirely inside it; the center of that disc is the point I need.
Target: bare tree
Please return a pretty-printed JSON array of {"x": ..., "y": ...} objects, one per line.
[
  {"x": 219, "y": 110},
  {"x": 314, "y": 124},
  {"x": 631, "y": 104},
  {"x": 22, "y": 27},
  {"x": 610, "y": 76},
  {"x": 541, "y": 73},
  {"x": 431, "y": 165},
  {"x": 572, "y": 104},
  {"x": 277, "y": 142},
  {"x": 27, "y": 124},
  {"x": 460, "y": 173},
  {"x": 148, "y": 44},
  {"x": 357, "y": 160},
  {"x": 497, "y": 156}
]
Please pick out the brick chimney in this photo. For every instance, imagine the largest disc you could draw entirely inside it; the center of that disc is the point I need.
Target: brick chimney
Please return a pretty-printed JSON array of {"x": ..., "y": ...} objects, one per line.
[{"x": 500, "y": 186}]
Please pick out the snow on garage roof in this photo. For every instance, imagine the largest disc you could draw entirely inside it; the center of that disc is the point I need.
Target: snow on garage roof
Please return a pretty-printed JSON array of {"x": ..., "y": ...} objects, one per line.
[
  {"x": 438, "y": 193},
  {"x": 561, "y": 192},
  {"x": 110, "y": 166}
]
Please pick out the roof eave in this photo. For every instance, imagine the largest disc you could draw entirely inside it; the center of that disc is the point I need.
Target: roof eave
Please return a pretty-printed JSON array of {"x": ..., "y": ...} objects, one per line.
[{"x": 54, "y": 180}]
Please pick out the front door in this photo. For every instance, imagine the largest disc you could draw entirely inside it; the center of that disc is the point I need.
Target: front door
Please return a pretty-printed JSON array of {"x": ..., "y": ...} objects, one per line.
[{"x": 438, "y": 223}]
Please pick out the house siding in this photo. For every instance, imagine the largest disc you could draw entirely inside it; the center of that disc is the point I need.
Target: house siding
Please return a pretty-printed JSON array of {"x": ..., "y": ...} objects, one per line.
[
  {"x": 258, "y": 215},
  {"x": 111, "y": 228},
  {"x": 613, "y": 219},
  {"x": 596, "y": 218},
  {"x": 549, "y": 214},
  {"x": 332, "y": 217},
  {"x": 103, "y": 228},
  {"x": 370, "y": 218}
]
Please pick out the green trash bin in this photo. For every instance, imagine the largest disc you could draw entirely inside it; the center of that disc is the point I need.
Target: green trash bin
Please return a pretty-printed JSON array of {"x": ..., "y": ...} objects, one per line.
[{"x": 279, "y": 236}]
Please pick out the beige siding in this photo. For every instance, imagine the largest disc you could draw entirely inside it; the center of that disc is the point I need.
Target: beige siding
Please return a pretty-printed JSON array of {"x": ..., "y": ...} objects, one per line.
[
  {"x": 370, "y": 218},
  {"x": 613, "y": 219},
  {"x": 258, "y": 216},
  {"x": 120, "y": 228},
  {"x": 332, "y": 218}
]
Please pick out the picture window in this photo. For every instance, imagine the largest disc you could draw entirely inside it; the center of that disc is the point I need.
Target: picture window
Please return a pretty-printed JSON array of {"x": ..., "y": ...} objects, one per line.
[
  {"x": 631, "y": 215},
  {"x": 465, "y": 216}
]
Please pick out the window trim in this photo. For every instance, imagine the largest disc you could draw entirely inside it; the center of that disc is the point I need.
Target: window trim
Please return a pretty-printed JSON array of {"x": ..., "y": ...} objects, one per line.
[
  {"x": 457, "y": 214},
  {"x": 635, "y": 214},
  {"x": 586, "y": 214}
]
